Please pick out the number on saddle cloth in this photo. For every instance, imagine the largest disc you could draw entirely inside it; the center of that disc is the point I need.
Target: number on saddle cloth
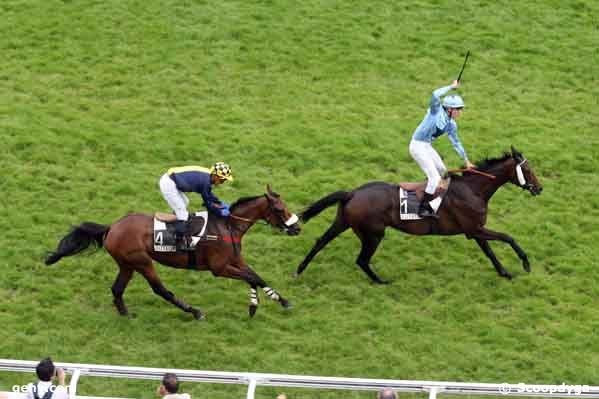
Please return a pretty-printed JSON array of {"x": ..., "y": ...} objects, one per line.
[
  {"x": 409, "y": 203},
  {"x": 164, "y": 231}
]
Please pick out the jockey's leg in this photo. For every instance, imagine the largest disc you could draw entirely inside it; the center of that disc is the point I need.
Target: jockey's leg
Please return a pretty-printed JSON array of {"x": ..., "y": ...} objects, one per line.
[
  {"x": 439, "y": 165},
  {"x": 430, "y": 162},
  {"x": 181, "y": 235},
  {"x": 178, "y": 202}
]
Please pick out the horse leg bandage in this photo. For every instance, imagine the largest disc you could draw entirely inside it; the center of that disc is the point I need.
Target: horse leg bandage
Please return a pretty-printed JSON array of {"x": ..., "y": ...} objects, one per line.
[
  {"x": 271, "y": 293},
  {"x": 253, "y": 297}
]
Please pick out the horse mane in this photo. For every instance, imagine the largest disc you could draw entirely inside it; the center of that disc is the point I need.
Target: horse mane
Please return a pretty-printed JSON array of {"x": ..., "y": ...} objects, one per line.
[
  {"x": 243, "y": 200},
  {"x": 488, "y": 163}
]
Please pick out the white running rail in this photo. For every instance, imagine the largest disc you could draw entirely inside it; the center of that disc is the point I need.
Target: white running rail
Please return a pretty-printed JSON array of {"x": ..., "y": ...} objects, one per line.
[{"x": 253, "y": 380}]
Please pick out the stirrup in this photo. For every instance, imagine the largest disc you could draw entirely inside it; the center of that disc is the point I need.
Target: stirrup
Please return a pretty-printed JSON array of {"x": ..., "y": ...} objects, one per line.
[
  {"x": 183, "y": 244},
  {"x": 425, "y": 210}
]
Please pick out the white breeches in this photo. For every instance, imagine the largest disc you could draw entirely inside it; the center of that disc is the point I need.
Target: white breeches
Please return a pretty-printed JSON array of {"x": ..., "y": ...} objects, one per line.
[
  {"x": 175, "y": 198},
  {"x": 430, "y": 162}
]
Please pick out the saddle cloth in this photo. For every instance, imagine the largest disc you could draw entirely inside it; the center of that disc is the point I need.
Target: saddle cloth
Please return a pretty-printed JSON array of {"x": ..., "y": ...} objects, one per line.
[
  {"x": 410, "y": 195},
  {"x": 164, "y": 231}
]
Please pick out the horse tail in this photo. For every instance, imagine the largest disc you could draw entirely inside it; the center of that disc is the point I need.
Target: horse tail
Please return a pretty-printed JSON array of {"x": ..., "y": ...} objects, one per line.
[
  {"x": 79, "y": 239},
  {"x": 323, "y": 203}
]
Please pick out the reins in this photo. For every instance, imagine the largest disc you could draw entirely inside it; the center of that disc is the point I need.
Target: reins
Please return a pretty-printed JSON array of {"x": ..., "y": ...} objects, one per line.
[
  {"x": 258, "y": 221},
  {"x": 240, "y": 218},
  {"x": 490, "y": 176}
]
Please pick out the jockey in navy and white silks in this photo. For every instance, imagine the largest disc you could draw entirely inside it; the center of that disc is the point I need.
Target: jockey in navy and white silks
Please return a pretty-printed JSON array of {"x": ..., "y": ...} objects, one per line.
[
  {"x": 439, "y": 119},
  {"x": 185, "y": 179}
]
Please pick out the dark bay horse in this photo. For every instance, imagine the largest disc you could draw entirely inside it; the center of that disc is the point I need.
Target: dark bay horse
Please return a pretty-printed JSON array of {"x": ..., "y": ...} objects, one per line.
[
  {"x": 369, "y": 209},
  {"x": 130, "y": 242}
]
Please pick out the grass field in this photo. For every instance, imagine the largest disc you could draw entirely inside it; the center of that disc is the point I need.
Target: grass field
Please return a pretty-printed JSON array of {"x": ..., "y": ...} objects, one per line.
[{"x": 99, "y": 98}]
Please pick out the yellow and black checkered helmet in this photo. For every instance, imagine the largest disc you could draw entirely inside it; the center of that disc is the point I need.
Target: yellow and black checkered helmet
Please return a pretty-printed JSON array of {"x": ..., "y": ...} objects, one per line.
[{"x": 222, "y": 170}]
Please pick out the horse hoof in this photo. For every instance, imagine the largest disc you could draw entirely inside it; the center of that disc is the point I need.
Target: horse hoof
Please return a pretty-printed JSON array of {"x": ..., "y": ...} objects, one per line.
[
  {"x": 383, "y": 281},
  {"x": 121, "y": 309},
  {"x": 286, "y": 304},
  {"x": 526, "y": 266},
  {"x": 197, "y": 314},
  {"x": 252, "y": 310},
  {"x": 508, "y": 276},
  {"x": 295, "y": 275}
]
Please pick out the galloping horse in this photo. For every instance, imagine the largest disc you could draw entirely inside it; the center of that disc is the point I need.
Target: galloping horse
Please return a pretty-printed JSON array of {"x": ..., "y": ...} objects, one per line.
[
  {"x": 130, "y": 242},
  {"x": 369, "y": 209}
]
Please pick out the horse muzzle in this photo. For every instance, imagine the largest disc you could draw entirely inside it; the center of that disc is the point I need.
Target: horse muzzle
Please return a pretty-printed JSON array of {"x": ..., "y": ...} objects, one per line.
[
  {"x": 293, "y": 230},
  {"x": 534, "y": 190},
  {"x": 292, "y": 226}
]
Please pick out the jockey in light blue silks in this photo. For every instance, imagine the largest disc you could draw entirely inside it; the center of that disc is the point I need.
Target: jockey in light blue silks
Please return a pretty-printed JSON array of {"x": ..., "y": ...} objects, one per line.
[
  {"x": 439, "y": 119},
  {"x": 185, "y": 179}
]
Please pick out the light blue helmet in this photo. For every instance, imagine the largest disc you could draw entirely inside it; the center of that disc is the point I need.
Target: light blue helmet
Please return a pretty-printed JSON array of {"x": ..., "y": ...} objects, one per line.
[{"x": 453, "y": 101}]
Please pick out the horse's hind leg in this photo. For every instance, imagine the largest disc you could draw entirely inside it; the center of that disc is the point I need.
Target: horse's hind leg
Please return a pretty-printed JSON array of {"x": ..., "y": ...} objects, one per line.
[
  {"x": 122, "y": 279},
  {"x": 370, "y": 242},
  {"x": 152, "y": 278},
  {"x": 338, "y": 227}
]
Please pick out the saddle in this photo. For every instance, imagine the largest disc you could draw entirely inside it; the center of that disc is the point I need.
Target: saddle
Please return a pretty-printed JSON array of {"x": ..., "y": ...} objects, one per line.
[
  {"x": 411, "y": 194},
  {"x": 418, "y": 188},
  {"x": 164, "y": 230}
]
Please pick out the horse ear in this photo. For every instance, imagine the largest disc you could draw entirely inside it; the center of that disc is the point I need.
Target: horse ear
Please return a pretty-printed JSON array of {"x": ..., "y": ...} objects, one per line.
[
  {"x": 515, "y": 153},
  {"x": 268, "y": 190}
]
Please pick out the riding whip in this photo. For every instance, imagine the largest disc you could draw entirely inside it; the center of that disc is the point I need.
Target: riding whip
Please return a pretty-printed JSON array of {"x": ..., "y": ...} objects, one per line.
[{"x": 464, "y": 66}]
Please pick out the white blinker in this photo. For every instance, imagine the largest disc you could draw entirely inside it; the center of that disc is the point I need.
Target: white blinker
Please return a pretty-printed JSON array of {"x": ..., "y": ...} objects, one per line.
[
  {"x": 292, "y": 220},
  {"x": 520, "y": 174}
]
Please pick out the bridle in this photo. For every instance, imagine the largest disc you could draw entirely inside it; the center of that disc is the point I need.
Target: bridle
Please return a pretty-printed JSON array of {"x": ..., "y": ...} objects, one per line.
[
  {"x": 282, "y": 224},
  {"x": 520, "y": 175}
]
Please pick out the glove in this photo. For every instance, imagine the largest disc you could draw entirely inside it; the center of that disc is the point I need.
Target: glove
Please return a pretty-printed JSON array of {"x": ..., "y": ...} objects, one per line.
[{"x": 224, "y": 211}]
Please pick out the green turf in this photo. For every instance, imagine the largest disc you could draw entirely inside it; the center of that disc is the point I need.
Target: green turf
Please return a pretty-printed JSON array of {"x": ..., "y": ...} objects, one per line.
[{"x": 99, "y": 98}]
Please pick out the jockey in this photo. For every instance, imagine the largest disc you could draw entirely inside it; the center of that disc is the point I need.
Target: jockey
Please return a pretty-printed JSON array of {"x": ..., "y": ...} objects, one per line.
[
  {"x": 437, "y": 121},
  {"x": 179, "y": 180}
]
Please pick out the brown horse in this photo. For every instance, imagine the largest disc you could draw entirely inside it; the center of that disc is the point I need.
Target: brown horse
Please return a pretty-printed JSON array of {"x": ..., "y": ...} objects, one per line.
[
  {"x": 130, "y": 242},
  {"x": 369, "y": 209}
]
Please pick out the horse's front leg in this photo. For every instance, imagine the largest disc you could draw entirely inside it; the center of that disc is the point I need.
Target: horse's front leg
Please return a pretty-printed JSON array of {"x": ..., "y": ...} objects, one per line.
[
  {"x": 484, "y": 245},
  {"x": 245, "y": 273},
  {"x": 254, "y": 300},
  {"x": 487, "y": 234},
  {"x": 256, "y": 281}
]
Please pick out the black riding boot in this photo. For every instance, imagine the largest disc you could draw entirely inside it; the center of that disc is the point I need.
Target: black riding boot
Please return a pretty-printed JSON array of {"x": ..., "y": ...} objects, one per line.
[
  {"x": 425, "y": 209},
  {"x": 181, "y": 239}
]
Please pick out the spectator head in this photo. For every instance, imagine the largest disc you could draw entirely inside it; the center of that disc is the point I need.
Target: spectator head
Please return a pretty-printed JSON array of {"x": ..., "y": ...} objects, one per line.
[
  {"x": 170, "y": 383},
  {"x": 281, "y": 396},
  {"x": 45, "y": 369},
  {"x": 387, "y": 393}
]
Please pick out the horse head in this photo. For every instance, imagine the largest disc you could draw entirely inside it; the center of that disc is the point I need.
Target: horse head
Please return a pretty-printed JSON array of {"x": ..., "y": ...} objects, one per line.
[
  {"x": 278, "y": 215},
  {"x": 523, "y": 175}
]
